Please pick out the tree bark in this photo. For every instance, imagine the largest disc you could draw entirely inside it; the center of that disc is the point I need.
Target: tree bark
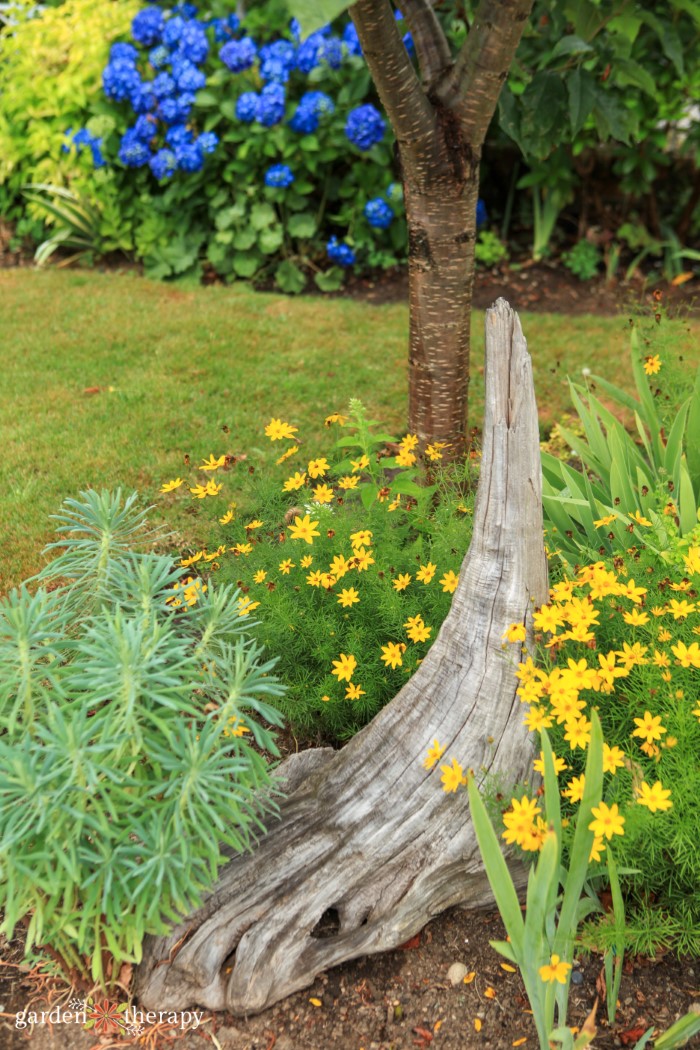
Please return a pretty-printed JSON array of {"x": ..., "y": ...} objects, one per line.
[{"x": 368, "y": 847}]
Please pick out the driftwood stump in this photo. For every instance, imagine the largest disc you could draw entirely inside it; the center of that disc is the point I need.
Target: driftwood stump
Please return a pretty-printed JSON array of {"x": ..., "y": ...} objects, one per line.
[{"x": 368, "y": 847}]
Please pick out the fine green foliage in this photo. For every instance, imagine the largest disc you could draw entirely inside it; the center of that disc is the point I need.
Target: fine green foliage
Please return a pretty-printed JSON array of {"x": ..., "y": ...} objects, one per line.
[
  {"x": 489, "y": 249},
  {"x": 350, "y": 564},
  {"x": 125, "y": 717},
  {"x": 626, "y": 476},
  {"x": 583, "y": 260}
]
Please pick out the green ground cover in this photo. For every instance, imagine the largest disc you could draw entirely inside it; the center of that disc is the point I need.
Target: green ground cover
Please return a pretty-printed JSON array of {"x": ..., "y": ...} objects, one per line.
[{"x": 110, "y": 380}]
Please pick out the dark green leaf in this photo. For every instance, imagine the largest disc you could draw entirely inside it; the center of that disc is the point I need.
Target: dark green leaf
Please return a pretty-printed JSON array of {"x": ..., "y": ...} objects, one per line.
[
  {"x": 302, "y": 225},
  {"x": 290, "y": 278},
  {"x": 581, "y": 87}
]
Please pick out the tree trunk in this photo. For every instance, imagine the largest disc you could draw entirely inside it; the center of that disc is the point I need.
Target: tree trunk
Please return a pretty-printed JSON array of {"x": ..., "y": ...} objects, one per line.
[{"x": 368, "y": 847}]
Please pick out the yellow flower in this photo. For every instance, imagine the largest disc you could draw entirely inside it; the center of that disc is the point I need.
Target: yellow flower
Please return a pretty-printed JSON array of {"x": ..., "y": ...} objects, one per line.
[
  {"x": 227, "y": 518},
  {"x": 537, "y": 719},
  {"x": 318, "y": 467},
  {"x": 607, "y": 520},
  {"x": 405, "y": 458},
  {"x": 607, "y": 672},
  {"x": 296, "y": 481},
  {"x": 559, "y": 764},
  {"x": 519, "y": 819},
  {"x": 527, "y": 671},
  {"x": 635, "y": 618},
  {"x": 696, "y": 712},
  {"x": 202, "y": 491},
  {"x": 452, "y": 776},
  {"x": 242, "y": 548},
  {"x": 359, "y": 464},
  {"x": 433, "y": 451},
  {"x": 186, "y": 562},
  {"x": 304, "y": 529},
  {"x": 323, "y": 494},
  {"x": 608, "y": 821},
  {"x": 652, "y": 364},
  {"x": 259, "y": 576},
  {"x": 688, "y": 655},
  {"x": 394, "y": 505},
  {"x": 555, "y": 970},
  {"x": 596, "y": 849},
  {"x": 661, "y": 659},
  {"x": 211, "y": 463},
  {"x": 314, "y": 578},
  {"x": 402, "y": 581},
  {"x": 306, "y": 561},
  {"x": 362, "y": 559},
  {"x": 632, "y": 655},
  {"x": 664, "y": 635},
  {"x": 574, "y": 789},
  {"x": 435, "y": 753},
  {"x": 426, "y": 573},
  {"x": 339, "y": 566},
  {"x": 276, "y": 430},
  {"x": 515, "y": 633},
  {"x": 170, "y": 486},
  {"x": 449, "y": 581},
  {"x": 350, "y": 481},
  {"x": 254, "y": 524},
  {"x": 654, "y": 797},
  {"x": 354, "y": 692},
  {"x": 562, "y": 590},
  {"x": 291, "y": 451},
  {"x": 285, "y": 566},
  {"x": 578, "y": 732},
  {"x": 613, "y": 759},
  {"x": 417, "y": 630},
  {"x": 348, "y": 597},
  {"x": 392, "y": 654},
  {"x": 246, "y": 605},
  {"x": 236, "y": 727},
  {"x": 649, "y": 728},
  {"x": 335, "y": 417},
  {"x": 692, "y": 561},
  {"x": 363, "y": 538},
  {"x": 681, "y": 609},
  {"x": 548, "y": 618},
  {"x": 344, "y": 667},
  {"x": 639, "y": 518}
]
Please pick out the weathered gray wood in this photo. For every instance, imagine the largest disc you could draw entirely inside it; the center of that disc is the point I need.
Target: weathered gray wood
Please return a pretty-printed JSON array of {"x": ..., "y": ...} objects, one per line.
[{"x": 369, "y": 838}]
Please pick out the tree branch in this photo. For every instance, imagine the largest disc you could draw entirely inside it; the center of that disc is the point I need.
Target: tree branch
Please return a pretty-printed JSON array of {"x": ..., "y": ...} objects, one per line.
[
  {"x": 432, "y": 48},
  {"x": 411, "y": 114},
  {"x": 471, "y": 88}
]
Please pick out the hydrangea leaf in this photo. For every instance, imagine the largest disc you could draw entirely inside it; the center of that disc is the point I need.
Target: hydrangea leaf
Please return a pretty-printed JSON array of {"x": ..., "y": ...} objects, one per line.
[
  {"x": 302, "y": 225},
  {"x": 313, "y": 14}
]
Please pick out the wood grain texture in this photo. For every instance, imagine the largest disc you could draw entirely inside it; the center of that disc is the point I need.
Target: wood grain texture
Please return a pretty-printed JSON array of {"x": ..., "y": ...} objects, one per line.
[{"x": 367, "y": 840}]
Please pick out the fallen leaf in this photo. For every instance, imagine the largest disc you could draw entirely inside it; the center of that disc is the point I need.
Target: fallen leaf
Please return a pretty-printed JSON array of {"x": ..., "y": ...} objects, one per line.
[
  {"x": 519, "y": 1042},
  {"x": 490, "y": 993},
  {"x": 89, "y": 390},
  {"x": 413, "y": 942},
  {"x": 508, "y": 968},
  {"x": 315, "y": 1002},
  {"x": 632, "y": 1035},
  {"x": 477, "y": 1024},
  {"x": 470, "y": 977},
  {"x": 425, "y": 1036},
  {"x": 681, "y": 278},
  {"x": 437, "y": 1026}
]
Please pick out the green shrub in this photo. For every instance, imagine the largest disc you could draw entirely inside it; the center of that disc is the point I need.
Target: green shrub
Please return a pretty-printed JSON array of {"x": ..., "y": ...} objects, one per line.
[
  {"x": 124, "y": 764},
  {"x": 348, "y": 564},
  {"x": 583, "y": 260}
]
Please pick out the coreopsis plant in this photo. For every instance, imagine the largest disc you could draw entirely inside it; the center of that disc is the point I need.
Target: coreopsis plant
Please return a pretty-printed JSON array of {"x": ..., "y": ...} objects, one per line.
[
  {"x": 621, "y": 638},
  {"x": 129, "y": 701},
  {"x": 346, "y": 560}
]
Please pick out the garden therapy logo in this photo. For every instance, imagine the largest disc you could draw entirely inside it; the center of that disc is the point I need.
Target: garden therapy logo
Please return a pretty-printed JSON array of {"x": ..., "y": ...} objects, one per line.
[{"x": 108, "y": 1018}]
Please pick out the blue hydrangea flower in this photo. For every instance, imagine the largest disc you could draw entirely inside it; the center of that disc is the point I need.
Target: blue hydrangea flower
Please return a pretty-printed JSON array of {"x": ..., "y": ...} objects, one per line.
[
  {"x": 147, "y": 26},
  {"x": 378, "y": 213},
  {"x": 132, "y": 151},
  {"x": 193, "y": 44},
  {"x": 159, "y": 56},
  {"x": 208, "y": 141},
  {"x": 81, "y": 138},
  {"x": 163, "y": 86},
  {"x": 307, "y": 52},
  {"x": 178, "y": 135},
  {"x": 176, "y": 110},
  {"x": 188, "y": 77},
  {"x": 119, "y": 79},
  {"x": 247, "y": 107},
  {"x": 295, "y": 29},
  {"x": 185, "y": 10},
  {"x": 481, "y": 214},
  {"x": 123, "y": 53},
  {"x": 312, "y": 106},
  {"x": 277, "y": 60},
  {"x": 279, "y": 175},
  {"x": 144, "y": 129},
  {"x": 351, "y": 39},
  {"x": 365, "y": 126},
  {"x": 173, "y": 31},
  {"x": 163, "y": 163},
  {"x": 340, "y": 253},
  {"x": 238, "y": 55},
  {"x": 331, "y": 51},
  {"x": 189, "y": 157},
  {"x": 271, "y": 105},
  {"x": 142, "y": 98}
]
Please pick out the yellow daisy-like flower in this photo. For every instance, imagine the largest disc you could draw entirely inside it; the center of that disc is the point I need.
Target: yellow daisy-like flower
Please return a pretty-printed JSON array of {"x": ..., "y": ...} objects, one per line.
[
  {"x": 323, "y": 494},
  {"x": 639, "y": 518},
  {"x": 515, "y": 633},
  {"x": 559, "y": 764},
  {"x": 435, "y": 753},
  {"x": 519, "y": 819},
  {"x": 574, "y": 789},
  {"x": 259, "y": 576},
  {"x": 392, "y": 654},
  {"x": 555, "y": 970},
  {"x": 350, "y": 481},
  {"x": 242, "y": 548},
  {"x": 344, "y": 667},
  {"x": 314, "y": 578},
  {"x": 186, "y": 562},
  {"x": 452, "y": 776},
  {"x": 607, "y": 520},
  {"x": 656, "y": 797},
  {"x": 276, "y": 430},
  {"x": 246, "y": 605},
  {"x": 202, "y": 491},
  {"x": 416, "y": 630},
  {"x": 652, "y": 364},
  {"x": 335, "y": 417},
  {"x": 354, "y": 692},
  {"x": 649, "y": 728},
  {"x": 613, "y": 759},
  {"x": 687, "y": 655},
  {"x": 285, "y": 566},
  {"x": 433, "y": 451},
  {"x": 449, "y": 581},
  {"x": 170, "y": 486},
  {"x": 537, "y": 719},
  {"x": 596, "y": 849},
  {"x": 426, "y": 573},
  {"x": 212, "y": 463},
  {"x": 548, "y": 618},
  {"x": 635, "y": 618},
  {"x": 236, "y": 727},
  {"x": 632, "y": 655},
  {"x": 692, "y": 561},
  {"x": 664, "y": 635},
  {"x": 409, "y": 442},
  {"x": 608, "y": 821},
  {"x": 661, "y": 659},
  {"x": 318, "y": 467},
  {"x": 578, "y": 732},
  {"x": 227, "y": 518},
  {"x": 306, "y": 561},
  {"x": 297, "y": 481},
  {"x": 402, "y": 581},
  {"x": 359, "y": 464},
  {"x": 679, "y": 610},
  {"x": 254, "y": 524},
  {"x": 304, "y": 529},
  {"x": 394, "y": 505},
  {"x": 363, "y": 538},
  {"x": 291, "y": 451},
  {"x": 362, "y": 559},
  {"x": 405, "y": 458},
  {"x": 340, "y": 566},
  {"x": 348, "y": 597}
]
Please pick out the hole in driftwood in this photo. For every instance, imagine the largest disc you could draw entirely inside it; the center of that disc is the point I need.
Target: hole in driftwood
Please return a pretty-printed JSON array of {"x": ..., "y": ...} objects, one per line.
[
  {"x": 328, "y": 925},
  {"x": 228, "y": 965}
]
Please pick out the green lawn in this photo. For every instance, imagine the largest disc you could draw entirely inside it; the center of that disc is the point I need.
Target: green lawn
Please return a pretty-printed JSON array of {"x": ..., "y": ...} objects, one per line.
[{"x": 176, "y": 366}]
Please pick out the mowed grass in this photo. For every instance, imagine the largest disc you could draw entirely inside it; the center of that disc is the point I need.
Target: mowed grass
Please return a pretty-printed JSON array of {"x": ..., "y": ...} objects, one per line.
[{"x": 111, "y": 380}]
